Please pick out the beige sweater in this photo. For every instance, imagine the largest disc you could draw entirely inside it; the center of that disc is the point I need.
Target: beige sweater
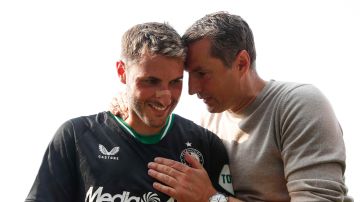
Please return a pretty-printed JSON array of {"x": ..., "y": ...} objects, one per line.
[{"x": 286, "y": 146}]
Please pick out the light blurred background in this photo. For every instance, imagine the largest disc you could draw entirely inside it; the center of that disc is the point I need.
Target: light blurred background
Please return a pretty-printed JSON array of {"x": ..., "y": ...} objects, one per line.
[{"x": 57, "y": 61}]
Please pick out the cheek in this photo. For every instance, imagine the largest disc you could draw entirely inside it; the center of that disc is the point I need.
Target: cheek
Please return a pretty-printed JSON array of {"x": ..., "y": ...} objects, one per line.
[
  {"x": 218, "y": 89},
  {"x": 209, "y": 86},
  {"x": 179, "y": 88},
  {"x": 143, "y": 94},
  {"x": 176, "y": 93}
]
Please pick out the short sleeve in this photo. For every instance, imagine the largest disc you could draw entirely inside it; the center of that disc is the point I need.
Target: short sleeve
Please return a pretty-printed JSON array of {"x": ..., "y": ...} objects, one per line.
[{"x": 56, "y": 179}]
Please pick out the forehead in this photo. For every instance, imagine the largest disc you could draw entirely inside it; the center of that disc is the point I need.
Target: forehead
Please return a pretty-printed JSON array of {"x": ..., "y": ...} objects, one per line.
[
  {"x": 158, "y": 66},
  {"x": 200, "y": 48},
  {"x": 199, "y": 54}
]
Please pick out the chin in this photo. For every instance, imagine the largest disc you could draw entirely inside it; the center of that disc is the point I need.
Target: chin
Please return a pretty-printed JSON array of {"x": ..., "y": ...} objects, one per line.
[
  {"x": 157, "y": 124},
  {"x": 213, "y": 109}
]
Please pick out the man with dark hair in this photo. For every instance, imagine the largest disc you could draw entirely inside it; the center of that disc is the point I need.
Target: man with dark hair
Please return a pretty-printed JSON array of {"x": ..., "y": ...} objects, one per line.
[{"x": 283, "y": 139}]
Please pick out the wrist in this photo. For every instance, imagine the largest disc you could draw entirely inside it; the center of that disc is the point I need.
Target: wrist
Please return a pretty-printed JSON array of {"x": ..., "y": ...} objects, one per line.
[
  {"x": 211, "y": 192},
  {"x": 219, "y": 197}
]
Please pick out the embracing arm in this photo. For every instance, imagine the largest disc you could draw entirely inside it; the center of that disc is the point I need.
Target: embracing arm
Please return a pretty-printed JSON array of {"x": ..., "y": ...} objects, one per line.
[{"x": 118, "y": 106}]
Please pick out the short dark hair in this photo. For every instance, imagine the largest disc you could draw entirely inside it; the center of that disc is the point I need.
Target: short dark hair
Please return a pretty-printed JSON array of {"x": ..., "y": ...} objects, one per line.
[{"x": 229, "y": 34}]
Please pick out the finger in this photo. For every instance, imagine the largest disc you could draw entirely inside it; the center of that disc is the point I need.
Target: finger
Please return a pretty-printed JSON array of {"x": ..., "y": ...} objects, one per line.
[
  {"x": 123, "y": 105},
  {"x": 164, "y": 169},
  {"x": 165, "y": 189},
  {"x": 171, "y": 163},
  {"x": 193, "y": 162},
  {"x": 113, "y": 101},
  {"x": 113, "y": 108},
  {"x": 163, "y": 178},
  {"x": 122, "y": 99}
]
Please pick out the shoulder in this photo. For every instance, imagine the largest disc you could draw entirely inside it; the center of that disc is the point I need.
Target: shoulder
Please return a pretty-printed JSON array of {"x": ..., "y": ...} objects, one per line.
[
  {"x": 291, "y": 93},
  {"x": 290, "y": 88},
  {"x": 88, "y": 120},
  {"x": 305, "y": 95},
  {"x": 79, "y": 125},
  {"x": 301, "y": 90},
  {"x": 304, "y": 106}
]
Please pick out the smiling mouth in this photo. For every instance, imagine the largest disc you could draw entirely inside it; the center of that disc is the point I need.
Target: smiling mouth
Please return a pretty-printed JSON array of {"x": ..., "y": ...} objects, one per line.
[{"x": 158, "y": 107}]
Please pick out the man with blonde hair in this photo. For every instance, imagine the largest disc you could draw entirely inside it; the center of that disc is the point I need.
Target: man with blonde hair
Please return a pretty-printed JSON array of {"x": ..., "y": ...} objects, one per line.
[{"x": 104, "y": 158}]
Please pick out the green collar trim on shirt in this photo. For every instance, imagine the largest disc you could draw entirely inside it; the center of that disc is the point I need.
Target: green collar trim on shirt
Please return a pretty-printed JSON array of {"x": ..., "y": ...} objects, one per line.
[{"x": 146, "y": 139}]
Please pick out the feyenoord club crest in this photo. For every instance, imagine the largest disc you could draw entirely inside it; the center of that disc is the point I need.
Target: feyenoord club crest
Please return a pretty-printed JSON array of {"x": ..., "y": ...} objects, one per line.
[{"x": 193, "y": 152}]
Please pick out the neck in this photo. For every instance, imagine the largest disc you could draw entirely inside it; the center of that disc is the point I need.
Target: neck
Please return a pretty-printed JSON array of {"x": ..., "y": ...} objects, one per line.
[
  {"x": 249, "y": 87},
  {"x": 143, "y": 128},
  {"x": 243, "y": 104},
  {"x": 147, "y": 139}
]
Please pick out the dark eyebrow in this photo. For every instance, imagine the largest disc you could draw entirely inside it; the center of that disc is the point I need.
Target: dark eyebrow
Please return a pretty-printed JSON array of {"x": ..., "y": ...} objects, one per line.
[
  {"x": 197, "y": 69},
  {"x": 159, "y": 80},
  {"x": 149, "y": 78},
  {"x": 153, "y": 78}
]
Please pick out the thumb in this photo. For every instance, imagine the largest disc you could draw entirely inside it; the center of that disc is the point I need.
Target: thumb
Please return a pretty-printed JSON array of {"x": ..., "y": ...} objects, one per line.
[{"x": 192, "y": 160}]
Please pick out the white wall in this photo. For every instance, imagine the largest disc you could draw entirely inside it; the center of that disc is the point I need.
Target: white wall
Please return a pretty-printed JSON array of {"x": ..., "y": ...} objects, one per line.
[{"x": 57, "y": 61}]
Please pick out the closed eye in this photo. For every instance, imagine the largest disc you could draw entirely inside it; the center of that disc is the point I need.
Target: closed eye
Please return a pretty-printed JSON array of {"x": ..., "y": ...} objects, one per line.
[{"x": 199, "y": 74}]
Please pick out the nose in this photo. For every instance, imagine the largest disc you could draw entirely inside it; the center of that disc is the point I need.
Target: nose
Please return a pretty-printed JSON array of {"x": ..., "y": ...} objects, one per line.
[
  {"x": 194, "y": 86},
  {"x": 164, "y": 97}
]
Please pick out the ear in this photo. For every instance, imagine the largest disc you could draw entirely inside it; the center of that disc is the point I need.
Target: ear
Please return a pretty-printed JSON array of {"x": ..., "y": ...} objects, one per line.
[
  {"x": 120, "y": 67},
  {"x": 242, "y": 61}
]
